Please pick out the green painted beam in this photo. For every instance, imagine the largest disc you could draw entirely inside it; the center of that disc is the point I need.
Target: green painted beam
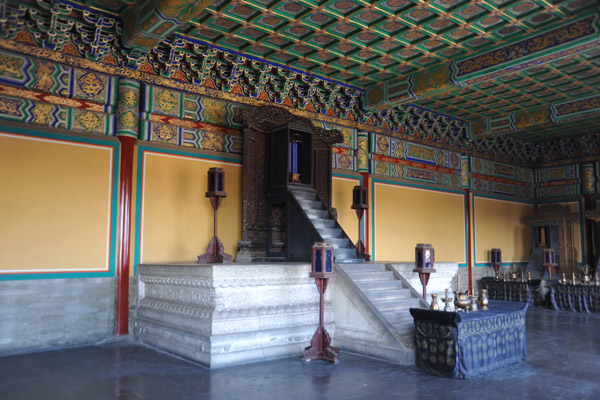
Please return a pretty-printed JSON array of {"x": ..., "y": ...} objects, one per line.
[{"x": 552, "y": 44}]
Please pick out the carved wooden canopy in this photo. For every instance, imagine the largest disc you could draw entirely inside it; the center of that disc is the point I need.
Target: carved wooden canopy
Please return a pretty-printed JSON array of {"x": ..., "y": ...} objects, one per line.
[
  {"x": 266, "y": 118},
  {"x": 551, "y": 213}
]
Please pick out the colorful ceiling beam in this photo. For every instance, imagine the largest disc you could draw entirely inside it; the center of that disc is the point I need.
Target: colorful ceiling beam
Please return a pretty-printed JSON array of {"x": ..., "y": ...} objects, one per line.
[
  {"x": 553, "y": 44},
  {"x": 152, "y": 21},
  {"x": 541, "y": 119}
]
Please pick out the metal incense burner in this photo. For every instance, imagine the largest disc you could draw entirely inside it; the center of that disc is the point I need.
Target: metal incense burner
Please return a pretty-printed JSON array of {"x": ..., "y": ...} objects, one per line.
[{"x": 461, "y": 299}]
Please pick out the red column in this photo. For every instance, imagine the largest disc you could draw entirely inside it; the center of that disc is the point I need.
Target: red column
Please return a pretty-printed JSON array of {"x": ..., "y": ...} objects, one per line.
[
  {"x": 469, "y": 241},
  {"x": 125, "y": 188},
  {"x": 365, "y": 223}
]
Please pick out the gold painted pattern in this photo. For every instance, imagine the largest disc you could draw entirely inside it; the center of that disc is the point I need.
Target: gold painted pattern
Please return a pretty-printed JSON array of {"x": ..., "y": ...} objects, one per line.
[
  {"x": 89, "y": 120},
  {"x": 128, "y": 119},
  {"x": 129, "y": 98},
  {"x": 10, "y": 66},
  {"x": 420, "y": 152},
  {"x": 10, "y": 106},
  {"x": 42, "y": 113}
]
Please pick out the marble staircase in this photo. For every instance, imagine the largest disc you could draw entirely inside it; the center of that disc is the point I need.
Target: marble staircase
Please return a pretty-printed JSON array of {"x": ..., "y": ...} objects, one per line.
[
  {"x": 444, "y": 278},
  {"x": 371, "y": 306},
  {"x": 389, "y": 294},
  {"x": 328, "y": 228}
]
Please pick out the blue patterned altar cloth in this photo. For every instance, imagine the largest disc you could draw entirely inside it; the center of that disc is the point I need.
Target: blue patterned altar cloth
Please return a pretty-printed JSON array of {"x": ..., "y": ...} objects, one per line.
[{"x": 462, "y": 345}]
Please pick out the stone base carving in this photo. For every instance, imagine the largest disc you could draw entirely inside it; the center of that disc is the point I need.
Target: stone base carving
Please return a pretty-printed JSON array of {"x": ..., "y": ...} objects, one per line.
[
  {"x": 220, "y": 315},
  {"x": 244, "y": 255}
]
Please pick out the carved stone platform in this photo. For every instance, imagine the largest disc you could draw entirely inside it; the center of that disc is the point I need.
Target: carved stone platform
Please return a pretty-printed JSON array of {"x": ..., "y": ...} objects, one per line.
[{"x": 220, "y": 315}]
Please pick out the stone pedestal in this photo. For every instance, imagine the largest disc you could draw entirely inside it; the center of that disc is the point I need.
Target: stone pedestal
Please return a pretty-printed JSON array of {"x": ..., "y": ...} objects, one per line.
[{"x": 220, "y": 315}]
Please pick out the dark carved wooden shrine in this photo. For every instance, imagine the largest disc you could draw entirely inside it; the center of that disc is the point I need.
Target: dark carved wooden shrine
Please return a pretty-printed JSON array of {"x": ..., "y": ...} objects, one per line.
[
  {"x": 282, "y": 152},
  {"x": 552, "y": 227}
]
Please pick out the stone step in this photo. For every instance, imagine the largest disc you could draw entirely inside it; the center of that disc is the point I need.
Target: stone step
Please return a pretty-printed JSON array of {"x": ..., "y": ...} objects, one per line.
[
  {"x": 408, "y": 325},
  {"x": 345, "y": 254},
  {"x": 395, "y": 305},
  {"x": 395, "y": 314},
  {"x": 310, "y": 204},
  {"x": 380, "y": 285},
  {"x": 329, "y": 233},
  {"x": 349, "y": 260},
  {"x": 323, "y": 223},
  {"x": 363, "y": 268},
  {"x": 372, "y": 276},
  {"x": 317, "y": 214},
  {"x": 404, "y": 319},
  {"x": 338, "y": 243},
  {"x": 305, "y": 195},
  {"x": 380, "y": 295}
]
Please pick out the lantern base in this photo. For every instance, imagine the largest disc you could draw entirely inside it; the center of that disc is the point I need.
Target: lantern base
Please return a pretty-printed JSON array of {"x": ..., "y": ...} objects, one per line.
[
  {"x": 320, "y": 348},
  {"x": 215, "y": 253}
]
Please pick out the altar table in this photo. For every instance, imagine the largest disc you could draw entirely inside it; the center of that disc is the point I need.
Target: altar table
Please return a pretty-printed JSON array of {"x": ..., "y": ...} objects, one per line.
[
  {"x": 513, "y": 290},
  {"x": 580, "y": 298},
  {"x": 462, "y": 345}
]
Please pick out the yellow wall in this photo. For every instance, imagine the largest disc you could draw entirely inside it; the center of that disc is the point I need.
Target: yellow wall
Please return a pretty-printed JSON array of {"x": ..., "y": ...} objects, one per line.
[
  {"x": 500, "y": 224},
  {"x": 341, "y": 199},
  {"x": 177, "y": 219},
  {"x": 55, "y": 205},
  {"x": 576, "y": 226},
  {"x": 406, "y": 216}
]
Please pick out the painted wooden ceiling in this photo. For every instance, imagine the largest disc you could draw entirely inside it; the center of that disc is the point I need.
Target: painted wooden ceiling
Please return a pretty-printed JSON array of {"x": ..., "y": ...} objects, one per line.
[{"x": 521, "y": 67}]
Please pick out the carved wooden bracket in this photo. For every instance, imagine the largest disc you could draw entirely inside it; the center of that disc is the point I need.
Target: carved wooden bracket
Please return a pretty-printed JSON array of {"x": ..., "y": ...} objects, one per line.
[
  {"x": 594, "y": 215},
  {"x": 266, "y": 118}
]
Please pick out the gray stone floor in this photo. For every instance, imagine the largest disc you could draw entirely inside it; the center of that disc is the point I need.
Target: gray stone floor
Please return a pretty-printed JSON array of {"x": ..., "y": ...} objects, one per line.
[{"x": 563, "y": 363}]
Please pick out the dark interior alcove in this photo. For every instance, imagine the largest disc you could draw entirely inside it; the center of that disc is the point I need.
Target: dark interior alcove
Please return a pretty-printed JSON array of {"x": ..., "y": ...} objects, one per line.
[{"x": 268, "y": 132}]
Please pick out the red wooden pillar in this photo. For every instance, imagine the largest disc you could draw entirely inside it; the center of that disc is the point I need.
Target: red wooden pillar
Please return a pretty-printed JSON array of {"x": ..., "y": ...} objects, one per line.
[
  {"x": 469, "y": 240},
  {"x": 465, "y": 176},
  {"x": 365, "y": 219},
  {"x": 125, "y": 189},
  {"x": 127, "y": 132}
]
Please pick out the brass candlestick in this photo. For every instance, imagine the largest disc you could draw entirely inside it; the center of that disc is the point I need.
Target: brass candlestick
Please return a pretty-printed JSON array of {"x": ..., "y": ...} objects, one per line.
[
  {"x": 586, "y": 278},
  {"x": 564, "y": 279},
  {"x": 513, "y": 276},
  {"x": 447, "y": 300},
  {"x": 573, "y": 281}
]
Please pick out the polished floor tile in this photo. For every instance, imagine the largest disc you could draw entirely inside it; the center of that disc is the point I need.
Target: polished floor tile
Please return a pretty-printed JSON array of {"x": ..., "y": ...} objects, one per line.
[{"x": 563, "y": 363}]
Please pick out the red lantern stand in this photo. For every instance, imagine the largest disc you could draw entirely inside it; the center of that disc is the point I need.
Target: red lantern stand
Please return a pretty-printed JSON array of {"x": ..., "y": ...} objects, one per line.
[
  {"x": 424, "y": 262},
  {"x": 215, "y": 251},
  {"x": 496, "y": 260},
  {"x": 359, "y": 204},
  {"x": 549, "y": 260},
  {"x": 322, "y": 269}
]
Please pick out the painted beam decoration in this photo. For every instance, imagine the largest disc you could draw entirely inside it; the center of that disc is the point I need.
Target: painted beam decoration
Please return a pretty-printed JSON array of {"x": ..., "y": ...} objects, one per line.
[
  {"x": 553, "y": 182},
  {"x": 76, "y": 54},
  {"x": 501, "y": 179}
]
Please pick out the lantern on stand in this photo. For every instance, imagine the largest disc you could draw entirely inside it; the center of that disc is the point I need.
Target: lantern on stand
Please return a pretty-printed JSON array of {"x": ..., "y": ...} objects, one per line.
[
  {"x": 215, "y": 251},
  {"x": 549, "y": 260},
  {"x": 360, "y": 204},
  {"x": 496, "y": 255},
  {"x": 322, "y": 269},
  {"x": 424, "y": 264}
]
